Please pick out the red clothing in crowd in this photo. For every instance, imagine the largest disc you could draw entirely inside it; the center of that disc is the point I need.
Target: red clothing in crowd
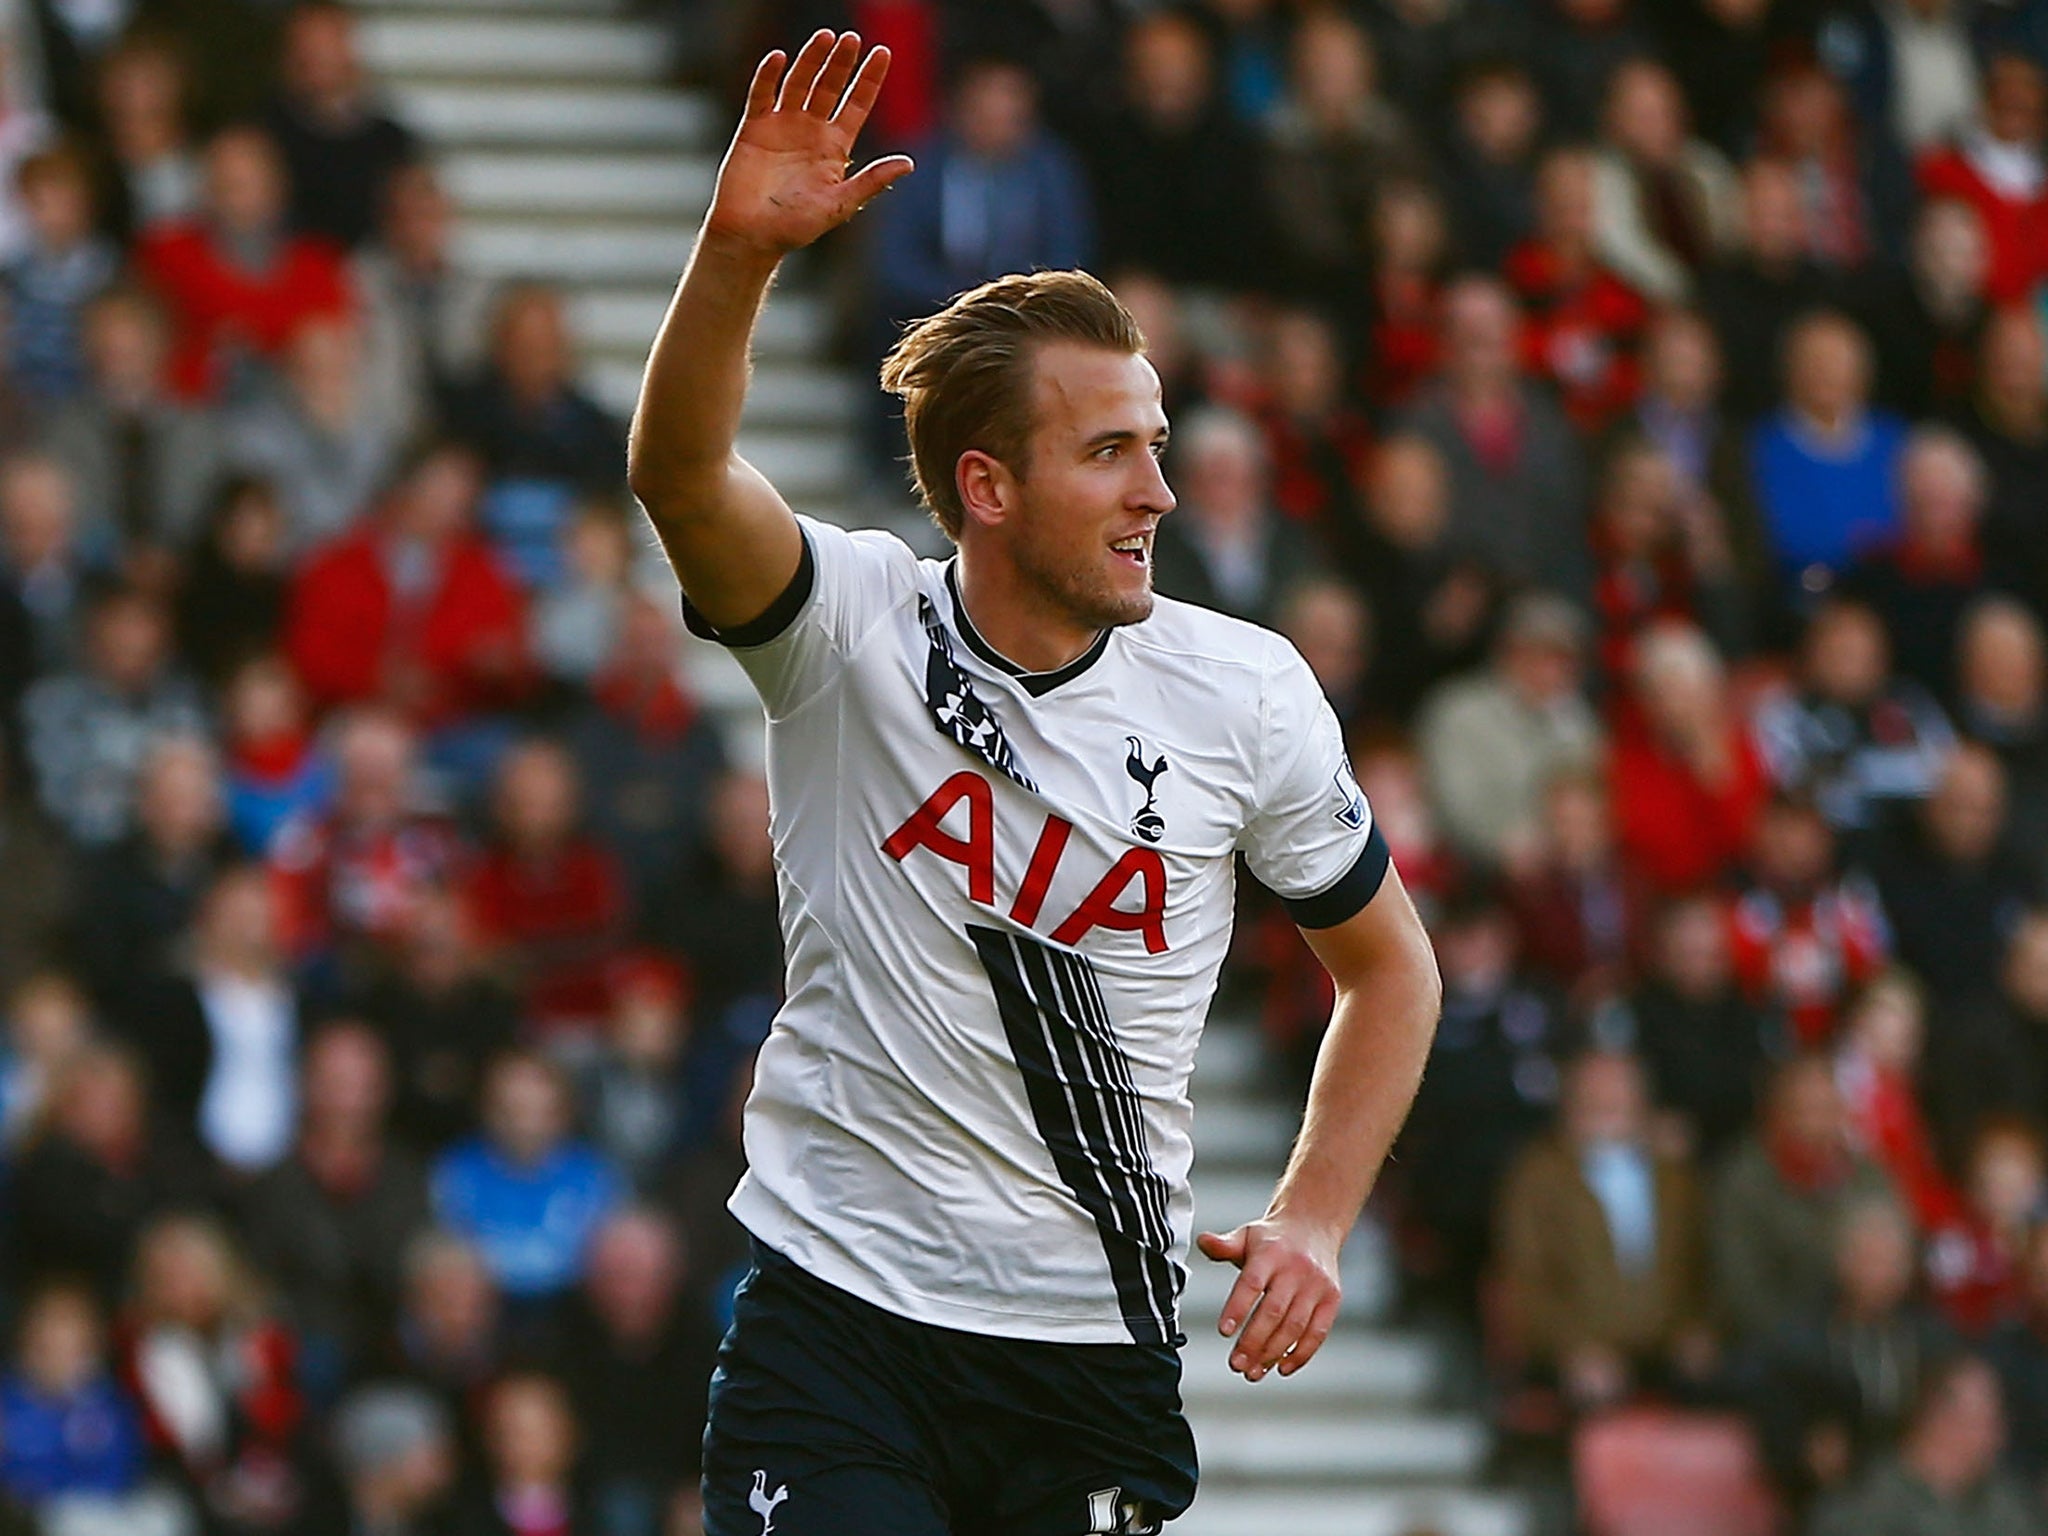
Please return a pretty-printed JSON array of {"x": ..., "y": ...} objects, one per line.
[
  {"x": 1975, "y": 1278},
  {"x": 1676, "y": 831},
  {"x": 1884, "y": 1116},
  {"x": 560, "y": 919},
  {"x": 1315, "y": 464},
  {"x": 1574, "y": 927},
  {"x": 456, "y": 647},
  {"x": 215, "y": 306},
  {"x": 1406, "y": 344},
  {"x": 348, "y": 885},
  {"x": 1581, "y": 328},
  {"x": 1806, "y": 957},
  {"x": 912, "y": 32},
  {"x": 1631, "y": 595},
  {"x": 2015, "y": 226}
]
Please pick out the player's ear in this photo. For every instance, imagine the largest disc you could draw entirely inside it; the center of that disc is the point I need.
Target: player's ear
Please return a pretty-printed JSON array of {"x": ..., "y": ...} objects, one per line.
[{"x": 985, "y": 486}]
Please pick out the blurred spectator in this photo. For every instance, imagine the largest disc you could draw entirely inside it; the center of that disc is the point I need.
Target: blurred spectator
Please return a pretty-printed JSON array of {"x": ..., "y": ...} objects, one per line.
[
  {"x": 339, "y": 149},
  {"x": 1909, "y": 69},
  {"x": 1169, "y": 348},
  {"x": 1492, "y": 741},
  {"x": 540, "y": 437},
  {"x": 647, "y": 753},
  {"x": 1664, "y": 200},
  {"x": 1581, "y": 324},
  {"x": 67, "y": 1430},
  {"x": 530, "y": 1484},
  {"x": 1877, "y": 1067},
  {"x": 61, "y": 267},
  {"x": 1431, "y": 613},
  {"x": 998, "y": 193},
  {"x": 1753, "y": 296},
  {"x": 576, "y": 623},
  {"x": 1491, "y": 1084},
  {"x": 636, "y": 1362},
  {"x": 1945, "y": 1476},
  {"x": 316, "y": 434},
  {"x": 1833, "y": 1386},
  {"x": 529, "y": 1195},
  {"x": 217, "y": 1377},
  {"x": 275, "y": 775},
  {"x": 1952, "y": 888},
  {"x": 1320, "y": 442},
  {"x": 448, "y": 1334},
  {"x": 1975, "y": 1261},
  {"x": 46, "y": 566},
  {"x": 1399, "y": 310},
  {"x": 443, "y": 1016},
  {"x": 394, "y": 1447},
  {"x": 1250, "y": 37},
  {"x": 1922, "y": 584},
  {"x": 48, "y": 1021},
  {"x": 1330, "y": 139},
  {"x": 1988, "y": 1055},
  {"x": 1601, "y": 1245},
  {"x": 332, "y": 1222},
  {"x": 1517, "y": 482},
  {"x": 231, "y": 605},
  {"x": 1686, "y": 778},
  {"x": 1858, "y": 740},
  {"x": 1855, "y": 188},
  {"x": 141, "y": 893},
  {"x": 24, "y": 129},
  {"x": 1704, "y": 1045},
  {"x": 546, "y": 898},
  {"x": 222, "y": 1040},
  {"x": 1926, "y": 319},
  {"x": 2002, "y": 688},
  {"x": 413, "y": 609},
  {"x": 637, "y": 1090},
  {"x": 1806, "y": 935},
  {"x": 154, "y": 172},
  {"x": 355, "y": 881},
  {"x": 142, "y": 464},
  {"x": 236, "y": 284},
  {"x": 721, "y": 914},
  {"x": 89, "y": 730},
  {"x": 1662, "y": 553},
  {"x": 2019, "y": 1349},
  {"x": 1826, "y": 463},
  {"x": 1995, "y": 166},
  {"x": 2007, "y": 423},
  {"x": 1227, "y": 547},
  {"x": 94, "y": 1174},
  {"x": 1580, "y": 49},
  {"x": 1495, "y": 121},
  {"x": 36, "y": 900},
  {"x": 425, "y": 317},
  {"x": 1780, "y": 1201},
  {"x": 1178, "y": 183},
  {"x": 1580, "y": 912}
]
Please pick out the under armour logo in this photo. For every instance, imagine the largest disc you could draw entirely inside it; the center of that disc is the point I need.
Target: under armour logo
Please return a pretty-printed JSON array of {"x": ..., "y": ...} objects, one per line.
[
  {"x": 1147, "y": 823},
  {"x": 763, "y": 1503},
  {"x": 956, "y": 709}
]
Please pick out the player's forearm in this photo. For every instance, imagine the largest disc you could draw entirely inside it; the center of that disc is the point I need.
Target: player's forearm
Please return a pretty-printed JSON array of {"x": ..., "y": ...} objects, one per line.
[
  {"x": 1365, "y": 1079},
  {"x": 688, "y": 417}
]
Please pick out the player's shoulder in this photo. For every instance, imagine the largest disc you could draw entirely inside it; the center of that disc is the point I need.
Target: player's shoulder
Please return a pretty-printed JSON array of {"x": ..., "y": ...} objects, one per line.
[{"x": 1190, "y": 632}]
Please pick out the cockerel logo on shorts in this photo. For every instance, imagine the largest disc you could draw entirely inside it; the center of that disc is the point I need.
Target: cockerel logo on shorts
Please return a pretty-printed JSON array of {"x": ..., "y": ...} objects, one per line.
[{"x": 763, "y": 1503}]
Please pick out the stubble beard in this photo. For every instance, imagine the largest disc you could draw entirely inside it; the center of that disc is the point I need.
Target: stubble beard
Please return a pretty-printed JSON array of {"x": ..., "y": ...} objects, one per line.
[{"x": 1080, "y": 590}]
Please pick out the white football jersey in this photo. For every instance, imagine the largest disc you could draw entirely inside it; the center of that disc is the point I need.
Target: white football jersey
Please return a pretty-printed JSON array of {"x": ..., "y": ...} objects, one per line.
[{"x": 1005, "y": 898}]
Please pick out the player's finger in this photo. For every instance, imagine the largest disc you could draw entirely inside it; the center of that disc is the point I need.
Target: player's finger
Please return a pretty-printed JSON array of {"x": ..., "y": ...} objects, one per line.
[
  {"x": 761, "y": 93},
  {"x": 1255, "y": 1344},
  {"x": 1223, "y": 1247},
  {"x": 873, "y": 180},
  {"x": 1237, "y": 1306},
  {"x": 1314, "y": 1336},
  {"x": 1286, "y": 1337},
  {"x": 796, "y": 85},
  {"x": 823, "y": 99},
  {"x": 867, "y": 85}
]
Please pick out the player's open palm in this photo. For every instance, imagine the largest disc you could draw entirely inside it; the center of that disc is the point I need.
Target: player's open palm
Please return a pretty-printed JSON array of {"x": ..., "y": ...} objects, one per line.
[{"x": 787, "y": 178}]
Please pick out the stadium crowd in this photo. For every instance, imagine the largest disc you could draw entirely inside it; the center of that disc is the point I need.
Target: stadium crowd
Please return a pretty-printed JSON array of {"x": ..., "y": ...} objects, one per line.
[{"x": 1636, "y": 411}]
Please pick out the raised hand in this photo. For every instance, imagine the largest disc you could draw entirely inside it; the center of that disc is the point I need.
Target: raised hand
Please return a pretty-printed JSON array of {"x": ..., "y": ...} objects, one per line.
[{"x": 785, "y": 180}]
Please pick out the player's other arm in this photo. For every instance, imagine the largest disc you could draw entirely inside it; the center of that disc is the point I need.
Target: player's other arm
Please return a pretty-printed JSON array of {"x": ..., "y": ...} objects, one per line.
[
  {"x": 786, "y": 180},
  {"x": 1366, "y": 1075}
]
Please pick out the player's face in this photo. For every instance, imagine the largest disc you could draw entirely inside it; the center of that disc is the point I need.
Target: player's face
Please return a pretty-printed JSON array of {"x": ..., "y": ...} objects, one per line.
[{"x": 1093, "y": 493}]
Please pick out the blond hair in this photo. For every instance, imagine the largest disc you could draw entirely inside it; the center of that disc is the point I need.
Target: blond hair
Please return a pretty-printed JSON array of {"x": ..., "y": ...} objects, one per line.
[{"x": 964, "y": 374}]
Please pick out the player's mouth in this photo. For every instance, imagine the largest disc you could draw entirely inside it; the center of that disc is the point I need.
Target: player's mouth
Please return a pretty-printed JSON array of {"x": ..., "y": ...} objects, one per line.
[{"x": 1137, "y": 550}]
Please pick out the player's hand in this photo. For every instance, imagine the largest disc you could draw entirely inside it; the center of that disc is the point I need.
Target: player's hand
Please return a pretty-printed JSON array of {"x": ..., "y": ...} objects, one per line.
[
  {"x": 1287, "y": 1287},
  {"x": 785, "y": 180}
]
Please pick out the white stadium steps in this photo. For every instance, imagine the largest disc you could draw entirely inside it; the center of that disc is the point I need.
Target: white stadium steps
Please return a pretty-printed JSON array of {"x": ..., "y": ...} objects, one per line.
[
  {"x": 499, "y": 49},
  {"x": 1452, "y": 1511},
  {"x": 567, "y": 116},
  {"x": 623, "y": 183}
]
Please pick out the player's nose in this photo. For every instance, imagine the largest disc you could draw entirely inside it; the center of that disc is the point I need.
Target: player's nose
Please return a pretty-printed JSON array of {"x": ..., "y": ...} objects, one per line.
[{"x": 1155, "y": 495}]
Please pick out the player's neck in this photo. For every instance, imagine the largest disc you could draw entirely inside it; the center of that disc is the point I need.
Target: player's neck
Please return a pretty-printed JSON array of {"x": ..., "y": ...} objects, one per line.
[{"x": 1014, "y": 618}]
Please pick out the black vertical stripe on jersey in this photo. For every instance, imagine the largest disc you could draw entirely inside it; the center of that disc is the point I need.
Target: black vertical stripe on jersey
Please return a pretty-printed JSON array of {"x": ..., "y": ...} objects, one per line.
[{"x": 1085, "y": 1106}]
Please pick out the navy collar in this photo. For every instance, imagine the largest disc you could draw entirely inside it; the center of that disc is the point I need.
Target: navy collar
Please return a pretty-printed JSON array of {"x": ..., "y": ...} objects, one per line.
[{"x": 1037, "y": 684}]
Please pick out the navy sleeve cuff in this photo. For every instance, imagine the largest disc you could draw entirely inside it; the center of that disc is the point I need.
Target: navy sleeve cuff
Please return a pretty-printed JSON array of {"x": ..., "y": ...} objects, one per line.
[
  {"x": 772, "y": 623},
  {"x": 1353, "y": 890}
]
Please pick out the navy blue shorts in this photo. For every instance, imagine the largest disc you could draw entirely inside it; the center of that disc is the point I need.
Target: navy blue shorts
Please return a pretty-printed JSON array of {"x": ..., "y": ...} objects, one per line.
[{"x": 831, "y": 1417}]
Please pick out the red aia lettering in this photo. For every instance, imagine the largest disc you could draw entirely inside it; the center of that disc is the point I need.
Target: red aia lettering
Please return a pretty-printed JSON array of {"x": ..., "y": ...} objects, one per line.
[
  {"x": 977, "y": 851},
  {"x": 1098, "y": 910},
  {"x": 1045, "y": 858}
]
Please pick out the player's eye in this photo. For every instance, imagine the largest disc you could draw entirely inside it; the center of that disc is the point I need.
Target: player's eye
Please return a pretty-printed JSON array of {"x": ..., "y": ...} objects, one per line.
[{"x": 1108, "y": 451}]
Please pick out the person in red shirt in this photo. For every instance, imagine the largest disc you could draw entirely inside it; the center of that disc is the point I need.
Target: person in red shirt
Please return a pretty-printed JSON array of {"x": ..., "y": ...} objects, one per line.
[
  {"x": 236, "y": 284},
  {"x": 1998, "y": 169},
  {"x": 1686, "y": 777},
  {"x": 1976, "y": 1264},
  {"x": 1320, "y": 443},
  {"x": 1409, "y": 242},
  {"x": 547, "y": 897},
  {"x": 1581, "y": 324},
  {"x": 1877, "y": 1070},
  {"x": 1804, "y": 937},
  {"x": 413, "y": 610}
]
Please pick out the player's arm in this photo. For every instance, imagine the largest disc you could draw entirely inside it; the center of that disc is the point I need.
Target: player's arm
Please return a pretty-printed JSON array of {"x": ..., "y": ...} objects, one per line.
[
  {"x": 1366, "y": 1074},
  {"x": 732, "y": 539}
]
